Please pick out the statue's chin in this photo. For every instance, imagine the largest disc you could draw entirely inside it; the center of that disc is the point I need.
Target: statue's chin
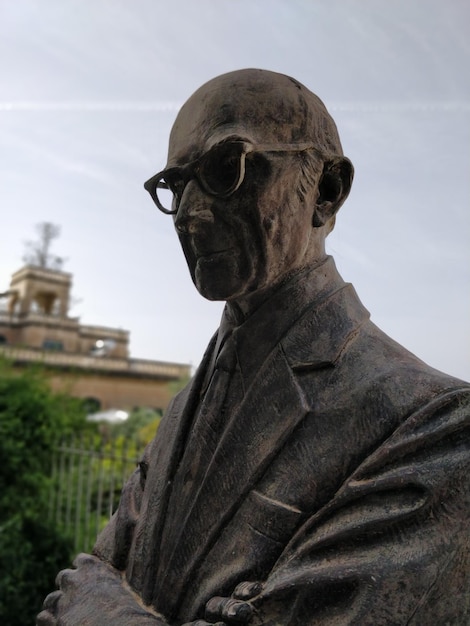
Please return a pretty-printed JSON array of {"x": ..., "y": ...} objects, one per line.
[
  {"x": 212, "y": 290},
  {"x": 219, "y": 278}
]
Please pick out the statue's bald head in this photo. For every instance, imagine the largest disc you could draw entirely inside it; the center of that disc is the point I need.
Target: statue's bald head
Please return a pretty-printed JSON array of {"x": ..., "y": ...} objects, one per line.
[
  {"x": 265, "y": 106},
  {"x": 257, "y": 173}
]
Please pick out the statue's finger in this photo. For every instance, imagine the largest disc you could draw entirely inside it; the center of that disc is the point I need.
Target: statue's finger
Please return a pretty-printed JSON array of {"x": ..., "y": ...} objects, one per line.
[
  {"x": 45, "y": 619},
  {"x": 84, "y": 559},
  {"x": 247, "y": 590},
  {"x": 64, "y": 578},
  {"x": 202, "y": 622},
  {"x": 50, "y": 603},
  {"x": 228, "y": 609}
]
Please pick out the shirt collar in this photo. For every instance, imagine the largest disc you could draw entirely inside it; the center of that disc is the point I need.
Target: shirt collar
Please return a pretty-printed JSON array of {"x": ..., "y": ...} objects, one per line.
[{"x": 257, "y": 335}]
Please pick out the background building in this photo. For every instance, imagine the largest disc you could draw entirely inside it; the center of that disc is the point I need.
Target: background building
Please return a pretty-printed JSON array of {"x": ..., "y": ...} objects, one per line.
[{"x": 90, "y": 362}]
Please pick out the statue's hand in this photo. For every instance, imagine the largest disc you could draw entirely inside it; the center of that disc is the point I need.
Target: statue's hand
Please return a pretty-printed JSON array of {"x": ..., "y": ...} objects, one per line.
[
  {"x": 94, "y": 594},
  {"x": 223, "y": 611}
]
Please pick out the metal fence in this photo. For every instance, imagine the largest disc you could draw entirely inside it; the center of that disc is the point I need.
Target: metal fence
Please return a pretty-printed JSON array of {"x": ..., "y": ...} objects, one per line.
[{"x": 87, "y": 477}]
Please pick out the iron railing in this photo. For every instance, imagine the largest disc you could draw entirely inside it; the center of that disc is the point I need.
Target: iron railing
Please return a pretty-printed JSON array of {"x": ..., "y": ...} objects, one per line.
[{"x": 86, "y": 481}]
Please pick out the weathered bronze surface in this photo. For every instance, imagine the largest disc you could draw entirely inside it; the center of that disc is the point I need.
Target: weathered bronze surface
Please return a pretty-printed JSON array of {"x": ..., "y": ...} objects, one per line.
[{"x": 313, "y": 472}]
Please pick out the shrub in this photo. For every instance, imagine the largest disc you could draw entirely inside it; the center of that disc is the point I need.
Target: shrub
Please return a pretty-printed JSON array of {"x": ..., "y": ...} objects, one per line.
[{"x": 32, "y": 550}]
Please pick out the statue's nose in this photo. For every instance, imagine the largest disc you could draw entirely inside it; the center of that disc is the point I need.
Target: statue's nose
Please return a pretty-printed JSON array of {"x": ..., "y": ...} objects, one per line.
[{"x": 193, "y": 210}]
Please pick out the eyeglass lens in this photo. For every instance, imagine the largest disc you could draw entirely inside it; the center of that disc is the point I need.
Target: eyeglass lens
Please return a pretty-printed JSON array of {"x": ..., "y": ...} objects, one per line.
[
  {"x": 219, "y": 168},
  {"x": 165, "y": 196},
  {"x": 219, "y": 172}
]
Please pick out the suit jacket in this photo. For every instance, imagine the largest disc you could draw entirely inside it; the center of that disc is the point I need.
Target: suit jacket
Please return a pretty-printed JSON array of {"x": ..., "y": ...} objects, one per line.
[{"x": 341, "y": 482}]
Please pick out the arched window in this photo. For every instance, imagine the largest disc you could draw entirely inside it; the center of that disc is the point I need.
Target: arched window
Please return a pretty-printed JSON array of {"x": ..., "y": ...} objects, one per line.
[
  {"x": 91, "y": 405},
  {"x": 53, "y": 344}
]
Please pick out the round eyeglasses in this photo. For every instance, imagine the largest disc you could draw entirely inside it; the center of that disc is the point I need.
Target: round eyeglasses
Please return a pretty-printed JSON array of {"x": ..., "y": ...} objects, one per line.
[{"x": 220, "y": 171}]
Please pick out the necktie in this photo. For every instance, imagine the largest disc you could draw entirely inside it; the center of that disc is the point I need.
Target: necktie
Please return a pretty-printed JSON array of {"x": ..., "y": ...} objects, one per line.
[
  {"x": 215, "y": 408},
  {"x": 211, "y": 415}
]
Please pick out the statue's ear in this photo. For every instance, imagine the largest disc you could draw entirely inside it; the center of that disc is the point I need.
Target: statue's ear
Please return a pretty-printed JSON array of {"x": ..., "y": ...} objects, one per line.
[{"x": 334, "y": 186}]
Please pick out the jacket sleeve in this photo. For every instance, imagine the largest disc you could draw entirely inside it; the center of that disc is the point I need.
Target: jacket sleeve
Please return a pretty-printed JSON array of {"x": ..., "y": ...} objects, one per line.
[
  {"x": 114, "y": 542},
  {"x": 392, "y": 547}
]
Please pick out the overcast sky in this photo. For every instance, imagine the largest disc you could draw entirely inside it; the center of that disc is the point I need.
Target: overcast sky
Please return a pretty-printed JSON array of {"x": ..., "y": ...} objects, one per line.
[{"x": 90, "y": 89}]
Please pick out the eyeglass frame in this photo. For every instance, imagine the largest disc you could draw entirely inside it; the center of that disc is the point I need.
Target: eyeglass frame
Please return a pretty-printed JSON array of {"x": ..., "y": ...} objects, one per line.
[{"x": 156, "y": 181}]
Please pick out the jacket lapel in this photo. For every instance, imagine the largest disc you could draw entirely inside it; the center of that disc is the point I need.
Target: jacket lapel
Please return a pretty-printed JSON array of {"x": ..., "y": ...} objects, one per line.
[{"x": 323, "y": 333}]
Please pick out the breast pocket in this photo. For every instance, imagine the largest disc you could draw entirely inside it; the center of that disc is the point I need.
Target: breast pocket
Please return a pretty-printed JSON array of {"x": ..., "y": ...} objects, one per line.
[{"x": 271, "y": 518}]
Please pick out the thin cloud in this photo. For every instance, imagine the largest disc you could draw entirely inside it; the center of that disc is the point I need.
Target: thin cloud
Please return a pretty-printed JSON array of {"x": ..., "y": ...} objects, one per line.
[
  {"x": 173, "y": 107},
  {"x": 90, "y": 107},
  {"x": 402, "y": 107}
]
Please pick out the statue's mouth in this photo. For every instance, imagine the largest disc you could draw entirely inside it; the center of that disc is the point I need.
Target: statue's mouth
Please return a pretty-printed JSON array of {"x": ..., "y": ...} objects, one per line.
[{"x": 213, "y": 253}]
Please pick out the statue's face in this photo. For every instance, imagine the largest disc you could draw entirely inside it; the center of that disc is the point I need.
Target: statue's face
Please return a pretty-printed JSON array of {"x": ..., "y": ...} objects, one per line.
[{"x": 246, "y": 241}]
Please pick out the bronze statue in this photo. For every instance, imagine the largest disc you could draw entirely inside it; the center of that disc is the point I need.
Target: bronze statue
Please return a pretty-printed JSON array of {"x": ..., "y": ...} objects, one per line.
[{"x": 313, "y": 472}]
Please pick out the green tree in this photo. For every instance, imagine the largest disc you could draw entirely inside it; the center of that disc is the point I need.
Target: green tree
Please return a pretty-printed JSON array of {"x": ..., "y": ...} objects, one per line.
[{"x": 32, "y": 550}]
